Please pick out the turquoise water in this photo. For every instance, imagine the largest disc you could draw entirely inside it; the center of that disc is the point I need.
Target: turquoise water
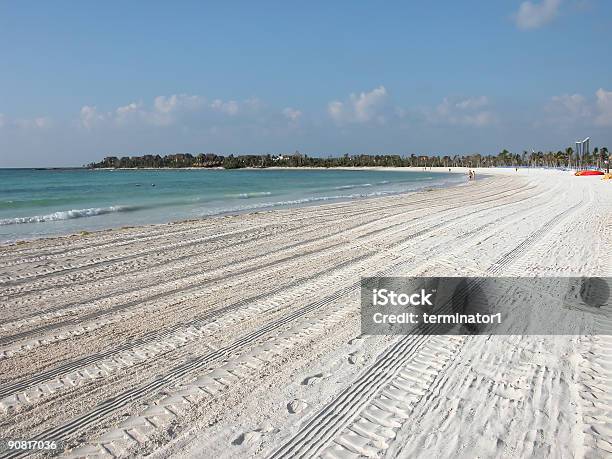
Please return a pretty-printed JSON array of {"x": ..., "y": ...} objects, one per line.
[{"x": 36, "y": 203}]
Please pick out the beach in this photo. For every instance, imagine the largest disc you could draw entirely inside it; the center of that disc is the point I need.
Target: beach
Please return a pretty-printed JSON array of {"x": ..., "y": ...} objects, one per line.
[{"x": 239, "y": 335}]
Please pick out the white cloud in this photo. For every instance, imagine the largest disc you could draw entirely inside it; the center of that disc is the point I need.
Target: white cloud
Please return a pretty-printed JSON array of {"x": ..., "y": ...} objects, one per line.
[
  {"x": 360, "y": 108},
  {"x": 40, "y": 122},
  {"x": 575, "y": 109},
  {"x": 479, "y": 119},
  {"x": 533, "y": 15},
  {"x": 604, "y": 107},
  {"x": 129, "y": 113},
  {"x": 234, "y": 108},
  {"x": 89, "y": 116},
  {"x": 566, "y": 110},
  {"x": 475, "y": 102},
  {"x": 335, "y": 110},
  {"x": 167, "y": 111},
  {"x": 574, "y": 104},
  {"x": 375, "y": 107},
  {"x": 163, "y": 113},
  {"x": 169, "y": 104},
  {"x": 292, "y": 114},
  {"x": 465, "y": 112},
  {"x": 229, "y": 108}
]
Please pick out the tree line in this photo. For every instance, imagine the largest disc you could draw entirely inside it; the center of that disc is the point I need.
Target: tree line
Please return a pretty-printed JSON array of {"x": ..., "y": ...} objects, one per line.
[{"x": 599, "y": 158}]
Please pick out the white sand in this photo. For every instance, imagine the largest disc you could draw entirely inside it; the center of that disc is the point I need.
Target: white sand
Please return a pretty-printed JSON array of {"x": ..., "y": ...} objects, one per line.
[{"x": 239, "y": 336}]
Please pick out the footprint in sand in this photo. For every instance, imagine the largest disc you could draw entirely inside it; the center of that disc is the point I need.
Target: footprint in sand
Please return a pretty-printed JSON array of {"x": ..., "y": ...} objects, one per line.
[
  {"x": 248, "y": 438},
  {"x": 314, "y": 379},
  {"x": 266, "y": 427},
  {"x": 296, "y": 406},
  {"x": 355, "y": 358},
  {"x": 254, "y": 436}
]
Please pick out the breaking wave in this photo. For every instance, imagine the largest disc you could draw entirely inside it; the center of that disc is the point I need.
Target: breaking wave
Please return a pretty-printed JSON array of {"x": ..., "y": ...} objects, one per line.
[
  {"x": 252, "y": 194},
  {"x": 410, "y": 188},
  {"x": 293, "y": 202},
  {"x": 348, "y": 187},
  {"x": 66, "y": 215}
]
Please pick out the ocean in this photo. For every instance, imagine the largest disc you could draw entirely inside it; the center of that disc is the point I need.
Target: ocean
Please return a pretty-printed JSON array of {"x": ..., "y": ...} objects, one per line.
[{"x": 40, "y": 203}]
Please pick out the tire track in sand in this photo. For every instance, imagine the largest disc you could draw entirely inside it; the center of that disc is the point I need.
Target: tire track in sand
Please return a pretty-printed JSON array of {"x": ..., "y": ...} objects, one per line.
[{"x": 336, "y": 416}]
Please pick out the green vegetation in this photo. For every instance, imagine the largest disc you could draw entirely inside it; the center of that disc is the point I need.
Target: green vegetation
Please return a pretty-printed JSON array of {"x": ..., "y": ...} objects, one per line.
[
  {"x": 157, "y": 161},
  {"x": 505, "y": 158}
]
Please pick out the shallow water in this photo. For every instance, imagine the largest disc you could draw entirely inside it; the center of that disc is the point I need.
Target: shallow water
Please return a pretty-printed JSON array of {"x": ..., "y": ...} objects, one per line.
[{"x": 36, "y": 203}]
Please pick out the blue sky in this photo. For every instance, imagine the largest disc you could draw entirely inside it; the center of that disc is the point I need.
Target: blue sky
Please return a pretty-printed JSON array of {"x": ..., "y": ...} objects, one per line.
[{"x": 81, "y": 80}]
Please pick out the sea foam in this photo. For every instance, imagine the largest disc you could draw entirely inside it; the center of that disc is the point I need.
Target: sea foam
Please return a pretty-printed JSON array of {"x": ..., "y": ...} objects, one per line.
[{"x": 65, "y": 215}]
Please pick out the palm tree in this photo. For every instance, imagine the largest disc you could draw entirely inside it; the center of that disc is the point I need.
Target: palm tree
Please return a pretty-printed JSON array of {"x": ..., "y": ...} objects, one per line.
[
  {"x": 605, "y": 156},
  {"x": 503, "y": 157},
  {"x": 569, "y": 151}
]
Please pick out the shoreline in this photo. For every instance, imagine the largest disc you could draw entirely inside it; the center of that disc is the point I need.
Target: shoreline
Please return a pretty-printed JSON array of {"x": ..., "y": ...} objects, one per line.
[
  {"x": 264, "y": 208},
  {"x": 482, "y": 173}
]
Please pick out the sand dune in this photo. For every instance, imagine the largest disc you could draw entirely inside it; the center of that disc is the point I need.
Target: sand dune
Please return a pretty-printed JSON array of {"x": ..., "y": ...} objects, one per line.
[{"x": 239, "y": 336}]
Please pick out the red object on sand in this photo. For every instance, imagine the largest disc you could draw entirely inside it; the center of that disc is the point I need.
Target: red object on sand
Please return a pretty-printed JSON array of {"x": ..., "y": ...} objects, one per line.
[{"x": 580, "y": 173}]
